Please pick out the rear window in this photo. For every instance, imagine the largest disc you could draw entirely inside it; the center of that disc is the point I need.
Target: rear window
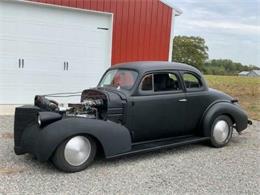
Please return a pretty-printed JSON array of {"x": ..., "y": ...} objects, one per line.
[{"x": 191, "y": 81}]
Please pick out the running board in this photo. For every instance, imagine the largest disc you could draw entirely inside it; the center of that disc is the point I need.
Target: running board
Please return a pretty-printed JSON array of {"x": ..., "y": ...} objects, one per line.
[{"x": 157, "y": 145}]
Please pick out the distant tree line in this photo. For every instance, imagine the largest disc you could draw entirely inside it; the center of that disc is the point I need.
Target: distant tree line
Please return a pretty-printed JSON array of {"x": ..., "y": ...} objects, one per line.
[
  {"x": 194, "y": 51},
  {"x": 225, "y": 67}
]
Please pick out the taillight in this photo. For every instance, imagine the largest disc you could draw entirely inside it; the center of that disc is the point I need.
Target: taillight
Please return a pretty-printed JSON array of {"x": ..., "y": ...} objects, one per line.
[{"x": 234, "y": 100}]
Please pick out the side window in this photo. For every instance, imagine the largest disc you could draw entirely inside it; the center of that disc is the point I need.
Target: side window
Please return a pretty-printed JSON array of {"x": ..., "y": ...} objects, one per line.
[
  {"x": 191, "y": 81},
  {"x": 147, "y": 83},
  {"x": 166, "y": 82}
]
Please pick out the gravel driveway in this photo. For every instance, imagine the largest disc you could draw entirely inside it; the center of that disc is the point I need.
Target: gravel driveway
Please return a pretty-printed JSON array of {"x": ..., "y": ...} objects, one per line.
[{"x": 190, "y": 169}]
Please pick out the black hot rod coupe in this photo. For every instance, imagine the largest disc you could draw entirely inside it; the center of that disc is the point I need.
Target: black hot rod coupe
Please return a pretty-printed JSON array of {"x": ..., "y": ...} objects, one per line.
[{"x": 136, "y": 107}]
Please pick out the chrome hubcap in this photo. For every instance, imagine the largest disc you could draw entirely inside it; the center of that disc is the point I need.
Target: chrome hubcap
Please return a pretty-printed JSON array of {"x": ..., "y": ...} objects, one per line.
[
  {"x": 77, "y": 150},
  {"x": 221, "y": 131}
]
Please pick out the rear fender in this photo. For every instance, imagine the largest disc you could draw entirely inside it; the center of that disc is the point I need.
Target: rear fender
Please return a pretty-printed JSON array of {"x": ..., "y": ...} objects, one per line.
[
  {"x": 113, "y": 137},
  {"x": 234, "y": 111}
]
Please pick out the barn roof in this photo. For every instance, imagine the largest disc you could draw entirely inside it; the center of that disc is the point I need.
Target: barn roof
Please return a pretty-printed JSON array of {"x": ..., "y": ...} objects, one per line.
[
  {"x": 170, "y": 3},
  {"x": 257, "y": 72},
  {"x": 244, "y": 73}
]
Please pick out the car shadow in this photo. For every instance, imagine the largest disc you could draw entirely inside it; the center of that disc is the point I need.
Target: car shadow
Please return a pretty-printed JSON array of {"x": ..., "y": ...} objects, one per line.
[
  {"x": 149, "y": 155},
  {"x": 33, "y": 165},
  {"x": 101, "y": 161}
]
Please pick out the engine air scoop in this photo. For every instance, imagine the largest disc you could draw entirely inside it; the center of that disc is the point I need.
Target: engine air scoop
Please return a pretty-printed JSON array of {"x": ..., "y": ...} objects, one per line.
[{"x": 45, "y": 118}]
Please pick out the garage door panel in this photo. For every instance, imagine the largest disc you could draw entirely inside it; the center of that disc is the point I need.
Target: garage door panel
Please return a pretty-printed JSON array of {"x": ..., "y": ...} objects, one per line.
[
  {"x": 10, "y": 86},
  {"x": 9, "y": 27},
  {"x": 10, "y": 78},
  {"x": 8, "y": 62},
  {"x": 93, "y": 38},
  {"x": 45, "y": 81},
  {"x": 81, "y": 81},
  {"x": 90, "y": 65}
]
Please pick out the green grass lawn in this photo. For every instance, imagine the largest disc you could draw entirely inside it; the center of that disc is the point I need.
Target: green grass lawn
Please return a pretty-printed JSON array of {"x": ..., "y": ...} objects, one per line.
[{"x": 246, "y": 89}]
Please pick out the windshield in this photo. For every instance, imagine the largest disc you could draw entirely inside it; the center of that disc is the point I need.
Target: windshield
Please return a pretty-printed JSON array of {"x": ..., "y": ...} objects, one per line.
[{"x": 119, "y": 78}]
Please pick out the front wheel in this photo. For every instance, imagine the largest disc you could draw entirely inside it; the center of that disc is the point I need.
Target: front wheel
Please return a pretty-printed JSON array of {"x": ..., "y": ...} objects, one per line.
[
  {"x": 75, "y": 154},
  {"x": 221, "y": 131}
]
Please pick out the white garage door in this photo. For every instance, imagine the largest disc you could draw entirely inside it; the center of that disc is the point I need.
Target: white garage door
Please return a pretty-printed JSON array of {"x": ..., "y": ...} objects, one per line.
[{"x": 48, "y": 49}]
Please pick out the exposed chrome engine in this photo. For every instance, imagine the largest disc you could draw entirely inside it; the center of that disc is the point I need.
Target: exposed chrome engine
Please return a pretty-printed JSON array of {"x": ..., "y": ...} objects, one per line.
[
  {"x": 97, "y": 103},
  {"x": 89, "y": 107}
]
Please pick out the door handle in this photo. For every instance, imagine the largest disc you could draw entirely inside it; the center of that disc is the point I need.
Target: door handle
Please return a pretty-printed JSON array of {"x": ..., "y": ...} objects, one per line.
[
  {"x": 182, "y": 100},
  {"x": 67, "y": 65},
  {"x": 22, "y": 63},
  {"x": 19, "y": 63}
]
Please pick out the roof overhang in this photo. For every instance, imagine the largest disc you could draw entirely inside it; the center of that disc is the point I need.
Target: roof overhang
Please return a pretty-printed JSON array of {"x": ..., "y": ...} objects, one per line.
[{"x": 169, "y": 3}]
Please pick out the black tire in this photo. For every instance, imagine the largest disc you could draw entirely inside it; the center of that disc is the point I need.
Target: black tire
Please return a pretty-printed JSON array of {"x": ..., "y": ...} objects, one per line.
[
  {"x": 213, "y": 140},
  {"x": 62, "y": 164}
]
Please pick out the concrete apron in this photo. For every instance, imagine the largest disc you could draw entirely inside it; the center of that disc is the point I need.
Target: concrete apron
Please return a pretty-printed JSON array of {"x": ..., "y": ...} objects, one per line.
[{"x": 8, "y": 109}]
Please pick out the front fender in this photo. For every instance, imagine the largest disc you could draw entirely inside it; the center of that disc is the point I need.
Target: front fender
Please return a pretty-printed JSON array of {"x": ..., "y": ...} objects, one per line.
[
  {"x": 42, "y": 142},
  {"x": 234, "y": 111}
]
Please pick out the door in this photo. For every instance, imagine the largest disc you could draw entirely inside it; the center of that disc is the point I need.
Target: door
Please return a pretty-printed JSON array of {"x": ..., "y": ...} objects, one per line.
[
  {"x": 197, "y": 100},
  {"x": 158, "y": 110},
  {"x": 60, "y": 49}
]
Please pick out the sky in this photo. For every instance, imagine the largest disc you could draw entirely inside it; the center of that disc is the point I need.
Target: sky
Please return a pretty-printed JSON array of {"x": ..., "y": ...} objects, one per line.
[{"x": 231, "y": 28}]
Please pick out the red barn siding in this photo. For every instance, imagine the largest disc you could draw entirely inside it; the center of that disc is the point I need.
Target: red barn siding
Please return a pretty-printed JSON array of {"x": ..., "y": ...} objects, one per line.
[{"x": 141, "y": 29}]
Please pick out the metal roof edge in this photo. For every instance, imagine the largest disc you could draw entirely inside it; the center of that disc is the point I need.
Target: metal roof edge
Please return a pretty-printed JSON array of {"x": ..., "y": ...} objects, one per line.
[
  {"x": 169, "y": 3},
  {"x": 30, "y": 2}
]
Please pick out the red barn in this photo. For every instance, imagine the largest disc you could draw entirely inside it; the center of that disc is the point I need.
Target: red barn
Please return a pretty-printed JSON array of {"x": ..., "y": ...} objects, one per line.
[{"x": 48, "y": 44}]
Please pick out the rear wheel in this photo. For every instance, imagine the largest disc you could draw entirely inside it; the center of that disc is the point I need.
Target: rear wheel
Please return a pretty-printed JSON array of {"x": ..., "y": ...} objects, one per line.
[
  {"x": 221, "y": 131},
  {"x": 75, "y": 154}
]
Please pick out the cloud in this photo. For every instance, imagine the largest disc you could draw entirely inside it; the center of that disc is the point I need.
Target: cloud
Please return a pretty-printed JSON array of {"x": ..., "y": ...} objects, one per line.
[
  {"x": 231, "y": 28},
  {"x": 226, "y": 26}
]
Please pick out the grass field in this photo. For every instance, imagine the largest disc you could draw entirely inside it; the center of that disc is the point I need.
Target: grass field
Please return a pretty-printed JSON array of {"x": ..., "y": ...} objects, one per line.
[{"x": 246, "y": 89}]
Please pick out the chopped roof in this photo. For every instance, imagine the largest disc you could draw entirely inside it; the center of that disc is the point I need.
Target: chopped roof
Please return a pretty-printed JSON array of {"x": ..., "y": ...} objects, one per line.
[
  {"x": 170, "y": 3},
  {"x": 145, "y": 66}
]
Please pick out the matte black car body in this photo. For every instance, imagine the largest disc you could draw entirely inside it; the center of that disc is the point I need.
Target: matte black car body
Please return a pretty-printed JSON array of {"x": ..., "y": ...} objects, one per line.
[{"x": 133, "y": 121}]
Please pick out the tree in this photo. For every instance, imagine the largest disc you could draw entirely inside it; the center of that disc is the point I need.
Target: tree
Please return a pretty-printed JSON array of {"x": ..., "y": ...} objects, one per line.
[
  {"x": 225, "y": 67},
  {"x": 190, "y": 50}
]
